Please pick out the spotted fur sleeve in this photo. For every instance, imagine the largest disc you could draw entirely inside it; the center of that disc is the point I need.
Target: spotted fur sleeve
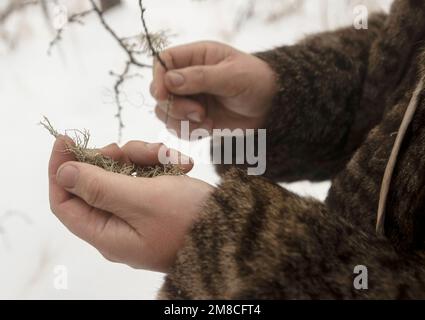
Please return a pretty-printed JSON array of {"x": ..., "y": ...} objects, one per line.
[
  {"x": 258, "y": 240},
  {"x": 321, "y": 83}
]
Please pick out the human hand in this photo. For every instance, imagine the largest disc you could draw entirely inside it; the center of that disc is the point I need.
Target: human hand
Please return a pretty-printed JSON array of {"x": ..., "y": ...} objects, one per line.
[
  {"x": 214, "y": 86},
  {"x": 141, "y": 222}
]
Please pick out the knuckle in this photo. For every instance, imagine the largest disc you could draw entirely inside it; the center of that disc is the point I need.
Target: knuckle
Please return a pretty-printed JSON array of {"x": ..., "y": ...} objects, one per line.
[
  {"x": 211, "y": 44},
  {"x": 173, "y": 110},
  {"x": 112, "y": 145},
  {"x": 110, "y": 148},
  {"x": 167, "y": 57},
  {"x": 94, "y": 192},
  {"x": 160, "y": 146},
  {"x": 53, "y": 208},
  {"x": 158, "y": 113},
  {"x": 199, "y": 76},
  {"x": 234, "y": 89},
  {"x": 130, "y": 144},
  {"x": 108, "y": 256}
]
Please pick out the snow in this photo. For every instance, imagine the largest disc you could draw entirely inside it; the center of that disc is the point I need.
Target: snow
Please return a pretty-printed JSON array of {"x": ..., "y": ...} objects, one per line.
[{"x": 72, "y": 88}]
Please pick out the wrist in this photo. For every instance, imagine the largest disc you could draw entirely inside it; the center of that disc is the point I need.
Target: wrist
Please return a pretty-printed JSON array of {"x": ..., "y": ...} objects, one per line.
[{"x": 267, "y": 82}]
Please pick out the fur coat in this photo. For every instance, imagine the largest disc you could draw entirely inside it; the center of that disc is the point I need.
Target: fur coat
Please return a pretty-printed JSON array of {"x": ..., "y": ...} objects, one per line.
[{"x": 342, "y": 97}]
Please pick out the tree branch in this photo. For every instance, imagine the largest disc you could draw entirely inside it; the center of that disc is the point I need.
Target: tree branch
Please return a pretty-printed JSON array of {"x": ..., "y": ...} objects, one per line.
[
  {"x": 154, "y": 43},
  {"x": 155, "y": 54}
]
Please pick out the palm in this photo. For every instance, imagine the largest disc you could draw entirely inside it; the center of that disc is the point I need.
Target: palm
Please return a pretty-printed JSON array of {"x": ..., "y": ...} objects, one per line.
[{"x": 116, "y": 240}]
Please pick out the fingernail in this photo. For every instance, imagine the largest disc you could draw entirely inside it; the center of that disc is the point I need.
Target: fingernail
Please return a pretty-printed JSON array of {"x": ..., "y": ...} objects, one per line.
[
  {"x": 67, "y": 176},
  {"x": 194, "y": 116},
  {"x": 175, "y": 78}
]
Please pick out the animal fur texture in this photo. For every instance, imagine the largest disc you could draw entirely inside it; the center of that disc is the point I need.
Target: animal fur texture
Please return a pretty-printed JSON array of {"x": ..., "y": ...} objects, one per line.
[{"x": 342, "y": 98}]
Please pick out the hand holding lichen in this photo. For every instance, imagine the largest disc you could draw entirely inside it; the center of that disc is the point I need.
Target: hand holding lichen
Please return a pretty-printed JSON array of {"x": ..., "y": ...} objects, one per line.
[
  {"x": 138, "y": 221},
  {"x": 79, "y": 148}
]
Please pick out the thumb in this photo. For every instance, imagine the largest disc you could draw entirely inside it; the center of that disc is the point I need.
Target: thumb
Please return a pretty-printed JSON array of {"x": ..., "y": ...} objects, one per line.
[
  {"x": 101, "y": 189},
  {"x": 213, "y": 79}
]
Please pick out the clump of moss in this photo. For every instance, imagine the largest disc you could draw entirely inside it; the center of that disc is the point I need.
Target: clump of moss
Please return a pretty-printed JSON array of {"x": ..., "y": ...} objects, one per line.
[{"x": 83, "y": 153}]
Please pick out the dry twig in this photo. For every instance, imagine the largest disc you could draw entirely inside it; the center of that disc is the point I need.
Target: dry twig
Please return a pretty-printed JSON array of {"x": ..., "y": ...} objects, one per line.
[
  {"x": 134, "y": 46},
  {"x": 154, "y": 52}
]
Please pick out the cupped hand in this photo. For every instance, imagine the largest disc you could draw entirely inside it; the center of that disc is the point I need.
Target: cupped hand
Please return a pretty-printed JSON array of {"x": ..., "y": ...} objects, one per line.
[
  {"x": 213, "y": 86},
  {"x": 141, "y": 222}
]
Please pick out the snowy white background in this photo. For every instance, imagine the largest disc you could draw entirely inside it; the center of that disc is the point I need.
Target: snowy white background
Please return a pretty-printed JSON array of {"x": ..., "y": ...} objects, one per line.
[{"x": 72, "y": 88}]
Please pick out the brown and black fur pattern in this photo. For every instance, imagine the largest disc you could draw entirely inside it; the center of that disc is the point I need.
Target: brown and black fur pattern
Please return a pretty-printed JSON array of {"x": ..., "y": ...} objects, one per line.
[
  {"x": 398, "y": 66},
  {"x": 343, "y": 96},
  {"x": 321, "y": 82},
  {"x": 258, "y": 240}
]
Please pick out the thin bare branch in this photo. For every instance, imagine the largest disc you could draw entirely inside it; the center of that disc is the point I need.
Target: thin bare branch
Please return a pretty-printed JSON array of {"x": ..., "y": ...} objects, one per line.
[
  {"x": 155, "y": 53},
  {"x": 133, "y": 47},
  {"x": 149, "y": 40},
  {"x": 72, "y": 19}
]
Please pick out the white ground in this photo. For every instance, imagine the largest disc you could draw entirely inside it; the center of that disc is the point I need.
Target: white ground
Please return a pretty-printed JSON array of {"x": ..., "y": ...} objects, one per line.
[{"x": 71, "y": 88}]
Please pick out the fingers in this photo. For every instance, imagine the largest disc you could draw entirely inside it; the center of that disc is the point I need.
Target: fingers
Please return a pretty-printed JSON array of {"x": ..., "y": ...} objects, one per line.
[
  {"x": 95, "y": 226},
  {"x": 99, "y": 188},
  {"x": 99, "y": 206},
  {"x": 104, "y": 190},
  {"x": 114, "y": 152},
  {"x": 205, "y": 53},
  {"x": 184, "y": 109},
  {"x": 158, "y": 89},
  {"x": 59, "y": 156},
  {"x": 216, "y": 80},
  {"x": 177, "y": 57},
  {"x": 174, "y": 125},
  {"x": 103, "y": 230},
  {"x": 145, "y": 154},
  {"x": 74, "y": 213}
]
